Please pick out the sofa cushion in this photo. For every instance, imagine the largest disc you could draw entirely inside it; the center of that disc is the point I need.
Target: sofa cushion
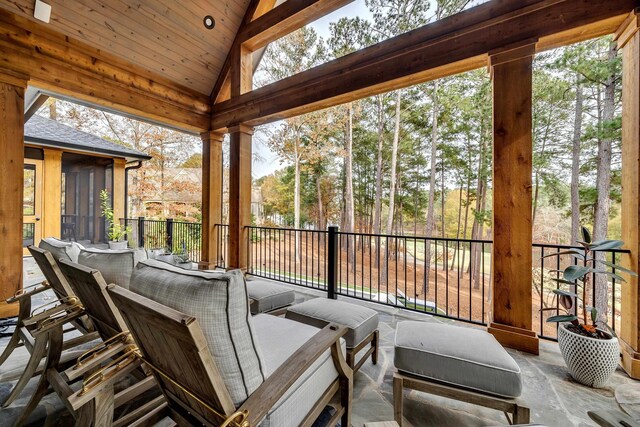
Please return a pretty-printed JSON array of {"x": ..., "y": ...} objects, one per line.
[
  {"x": 115, "y": 266},
  {"x": 266, "y": 296},
  {"x": 279, "y": 339},
  {"x": 361, "y": 321},
  {"x": 464, "y": 357},
  {"x": 220, "y": 304},
  {"x": 61, "y": 249}
]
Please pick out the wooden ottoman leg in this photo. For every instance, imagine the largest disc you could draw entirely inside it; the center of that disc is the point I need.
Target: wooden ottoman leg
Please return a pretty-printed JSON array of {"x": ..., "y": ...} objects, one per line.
[
  {"x": 397, "y": 398},
  {"x": 375, "y": 343},
  {"x": 521, "y": 414}
]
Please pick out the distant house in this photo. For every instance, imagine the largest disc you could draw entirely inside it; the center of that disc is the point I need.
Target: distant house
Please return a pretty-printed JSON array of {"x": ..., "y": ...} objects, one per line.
[{"x": 64, "y": 171}]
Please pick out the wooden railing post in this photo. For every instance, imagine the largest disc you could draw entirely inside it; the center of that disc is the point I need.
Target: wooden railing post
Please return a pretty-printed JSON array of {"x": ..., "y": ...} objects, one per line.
[
  {"x": 12, "y": 87},
  {"x": 512, "y": 78},
  {"x": 628, "y": 39}
]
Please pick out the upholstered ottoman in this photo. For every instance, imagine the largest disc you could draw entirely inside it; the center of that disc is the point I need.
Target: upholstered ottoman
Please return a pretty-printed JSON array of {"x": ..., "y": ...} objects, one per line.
[
  {"x": 265, "y": 296},
  {"x": 459, "y": 363},
  {"x": 361, "y": 321}
]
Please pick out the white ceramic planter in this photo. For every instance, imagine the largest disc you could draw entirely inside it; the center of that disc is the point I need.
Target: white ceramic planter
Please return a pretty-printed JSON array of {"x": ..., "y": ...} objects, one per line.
[
  {"x": 590, "y": 361},
  {"x": 118, "y": 246}
]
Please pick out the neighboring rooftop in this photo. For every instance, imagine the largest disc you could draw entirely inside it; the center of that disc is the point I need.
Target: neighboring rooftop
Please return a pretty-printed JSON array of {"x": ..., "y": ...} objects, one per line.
[{"x": 46, "y": 132}]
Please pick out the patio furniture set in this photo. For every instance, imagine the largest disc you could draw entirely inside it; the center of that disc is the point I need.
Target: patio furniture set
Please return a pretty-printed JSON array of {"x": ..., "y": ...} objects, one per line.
[{"x": 210, "y": 348}]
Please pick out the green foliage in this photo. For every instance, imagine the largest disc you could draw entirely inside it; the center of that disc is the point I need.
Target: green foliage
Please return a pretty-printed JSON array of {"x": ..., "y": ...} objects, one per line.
[{"x": 116, "y": 232}]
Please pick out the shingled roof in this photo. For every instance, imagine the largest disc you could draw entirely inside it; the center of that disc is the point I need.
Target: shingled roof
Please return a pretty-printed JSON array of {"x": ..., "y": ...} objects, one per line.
[{"x": 46, "y": 132}]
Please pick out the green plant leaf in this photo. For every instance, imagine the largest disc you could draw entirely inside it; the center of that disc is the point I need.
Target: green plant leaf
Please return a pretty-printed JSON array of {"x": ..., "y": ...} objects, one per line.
[
  {"x": 618, "y": 267},
  {"x": 606, "y": 245},
  {"x": 610, "y": 274},
  {"x": 566, "y": 282},
  {"x": 566, "y": 302},
  {"x": 568, "y": 252},
  {"x": 594, "y": 314},
  {"x": 586, "y": 236},
  {"x": 562, "y": 318},
  {"x": 575, "y": 272},
  {"x": 561, "y": 292}
]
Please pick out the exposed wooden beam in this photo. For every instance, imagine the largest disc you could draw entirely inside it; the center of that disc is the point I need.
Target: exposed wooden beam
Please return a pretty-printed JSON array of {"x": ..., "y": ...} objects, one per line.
[
  {"x": 222, "y": 88},
  {"x": 71, "y": 68},
  {"x": 451, "y": 45},
  {"x": 284, "y": 19}
]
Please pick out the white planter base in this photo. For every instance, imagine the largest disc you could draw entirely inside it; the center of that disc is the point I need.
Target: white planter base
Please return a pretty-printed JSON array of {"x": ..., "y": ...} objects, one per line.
[
  {"x": 590, "y": 361},
  {"x": 118, "y": 246}
]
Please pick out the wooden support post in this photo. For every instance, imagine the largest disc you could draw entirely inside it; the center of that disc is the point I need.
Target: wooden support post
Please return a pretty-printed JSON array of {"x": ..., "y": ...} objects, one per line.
[
  {"x": 512, "y": 75},
  {"x": 211, "y": 197},
  {"x": 118, "y": 195},
  {"x": 239, "y": 195},
  {"x": 628, "y": 39},
  {"x": 52, "y": 193},
  {"x": 12, "y": 87}
]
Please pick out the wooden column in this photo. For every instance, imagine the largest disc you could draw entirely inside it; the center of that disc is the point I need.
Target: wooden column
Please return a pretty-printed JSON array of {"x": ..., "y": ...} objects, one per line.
[
  {"x": 119, "y": 195},
  {"x": 512, "y": 72},
  {"x": 212, "y": 169},
  {"x": 52, "y": 193},
  {"x": 239, "y": 195},
  {"x": 12, "y": 87},
  {"x": 240, "y": 165},
  {"x": 628, "y": 39}
]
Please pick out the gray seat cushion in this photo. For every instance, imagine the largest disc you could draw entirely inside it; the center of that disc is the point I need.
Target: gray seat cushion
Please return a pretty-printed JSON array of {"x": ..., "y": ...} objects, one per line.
[
  {"x": 220, "y": 304},
  {"x": 279, "y": 339},
  {"x": 266, "y": 296},
  {"x": 61, "y": 249},
  {"x": 361, "y": 321},
  {"x": 464, "y": 357},
  {"x": 115, "y": 266}
]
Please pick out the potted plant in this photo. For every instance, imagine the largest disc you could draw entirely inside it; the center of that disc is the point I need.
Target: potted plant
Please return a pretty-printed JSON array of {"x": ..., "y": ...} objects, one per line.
[
  {"x": 181, "y": 259},
  {"x": 116, "y": 232},
  {"x": 588, "y": 345}
]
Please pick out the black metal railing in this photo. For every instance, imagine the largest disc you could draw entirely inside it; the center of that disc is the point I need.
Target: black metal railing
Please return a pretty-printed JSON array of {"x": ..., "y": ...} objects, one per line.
[
  {"x": 221, "y": 240},
  {"x": 550, "y": 267},
  {"x": 174, "y": 236},
  {"x": 443, "y": 277}
]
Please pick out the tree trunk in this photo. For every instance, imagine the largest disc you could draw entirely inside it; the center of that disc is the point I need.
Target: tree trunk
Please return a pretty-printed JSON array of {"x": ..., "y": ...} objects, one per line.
[
  {"x": 575, "y": 165},
  {"x": 349, "y": 205},
  {"x": 392, "y": 185},
  {"x": 378, "y": 197},
  {"x": 296, "y": 196},
  {"x": 321, "y": 221},
  {"x": 603, "y": 183},
  {"x": 432, "y": 185}
]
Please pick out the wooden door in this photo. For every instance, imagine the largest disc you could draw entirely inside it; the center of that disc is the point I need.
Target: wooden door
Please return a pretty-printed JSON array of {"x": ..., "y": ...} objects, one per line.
[{"x": 32, "y": 204}]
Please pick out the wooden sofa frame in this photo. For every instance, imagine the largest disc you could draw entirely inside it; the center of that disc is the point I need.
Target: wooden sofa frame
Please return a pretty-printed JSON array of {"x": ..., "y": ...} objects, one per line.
[
  {"x": 173, "y": 345},
  {"x": 514, "y": 409}
]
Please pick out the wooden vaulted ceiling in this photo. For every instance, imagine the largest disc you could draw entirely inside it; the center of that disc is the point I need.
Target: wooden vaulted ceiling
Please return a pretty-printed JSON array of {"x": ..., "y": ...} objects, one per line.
[{"x": 166, "y": 37}]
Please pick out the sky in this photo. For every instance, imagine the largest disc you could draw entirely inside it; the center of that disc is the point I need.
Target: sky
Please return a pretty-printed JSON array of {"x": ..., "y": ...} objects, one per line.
[{"x": 269, "y": 161}]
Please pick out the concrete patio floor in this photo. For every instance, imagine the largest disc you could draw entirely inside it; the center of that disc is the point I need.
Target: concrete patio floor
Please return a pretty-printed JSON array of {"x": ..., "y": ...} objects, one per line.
[{"x": 554, "y": 398}]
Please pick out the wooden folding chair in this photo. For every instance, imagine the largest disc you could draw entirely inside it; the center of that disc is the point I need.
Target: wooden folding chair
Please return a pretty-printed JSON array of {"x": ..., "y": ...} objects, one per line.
[
  {"x": 102, "y": 366},
  {"x": 174, "y": 347},
  {"x": 28, "y": 320}
]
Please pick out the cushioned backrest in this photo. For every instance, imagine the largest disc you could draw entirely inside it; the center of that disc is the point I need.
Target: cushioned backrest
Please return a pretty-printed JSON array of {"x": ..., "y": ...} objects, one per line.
[
  {"x": 115, "y": 266},
  {"x": 60, "y": 249},
  {"x": 220, "y": 304}
]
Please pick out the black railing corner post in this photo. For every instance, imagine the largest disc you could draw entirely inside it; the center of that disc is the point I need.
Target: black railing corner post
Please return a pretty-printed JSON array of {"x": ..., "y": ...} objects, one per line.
[
  {"x": 141, "y": 231},
  {"x": 170, "y": 234},
  {"x": 332, "y": 262}
]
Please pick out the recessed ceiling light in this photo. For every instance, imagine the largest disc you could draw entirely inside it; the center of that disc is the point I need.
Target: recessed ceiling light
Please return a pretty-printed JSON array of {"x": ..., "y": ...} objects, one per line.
[
  {"x": 209, "y": 22},
  {"x": 42, "y": 11}
]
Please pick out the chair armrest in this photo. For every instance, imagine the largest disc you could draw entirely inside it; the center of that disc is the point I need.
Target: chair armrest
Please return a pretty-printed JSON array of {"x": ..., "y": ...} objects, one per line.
[
  {"x": 274, "y": 387},
  {"x": 28, "y": 292}
]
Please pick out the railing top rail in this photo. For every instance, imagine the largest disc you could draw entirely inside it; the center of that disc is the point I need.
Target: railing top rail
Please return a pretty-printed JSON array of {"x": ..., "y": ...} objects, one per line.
[
  {"x": 558, "y": 246},
  {"x": 398, "y": 236},
  {"x": 255, "y": 227},
  {"x": 220, "y": 225}
]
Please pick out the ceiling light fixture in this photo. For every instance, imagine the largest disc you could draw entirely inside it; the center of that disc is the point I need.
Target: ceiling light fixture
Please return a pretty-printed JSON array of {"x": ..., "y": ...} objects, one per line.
[
  {"x": 42, "y": 11},
  {"x": 209, "y": 22}
]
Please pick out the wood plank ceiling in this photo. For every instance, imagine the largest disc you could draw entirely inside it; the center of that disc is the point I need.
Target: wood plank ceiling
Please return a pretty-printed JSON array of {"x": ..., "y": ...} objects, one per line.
[{"x": 164, "y": 36}]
